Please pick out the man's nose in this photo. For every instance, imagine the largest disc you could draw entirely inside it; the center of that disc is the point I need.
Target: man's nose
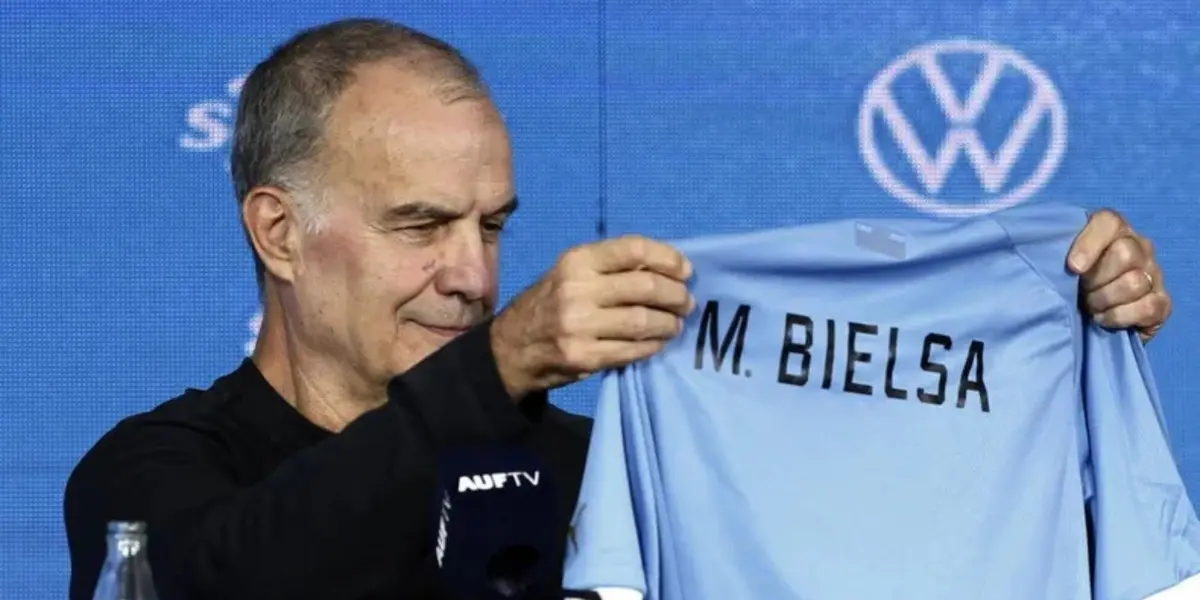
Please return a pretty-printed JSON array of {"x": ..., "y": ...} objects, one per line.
[{"x": 468, "y": 268}]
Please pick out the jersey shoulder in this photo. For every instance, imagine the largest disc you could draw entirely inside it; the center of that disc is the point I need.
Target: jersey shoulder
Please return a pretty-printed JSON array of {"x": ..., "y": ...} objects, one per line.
[
  {"x": 856, "y": 242},
  {"x": 1042, "y": 235}
]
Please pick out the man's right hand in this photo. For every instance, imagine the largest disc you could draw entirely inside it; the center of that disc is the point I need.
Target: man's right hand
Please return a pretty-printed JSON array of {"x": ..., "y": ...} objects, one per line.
[{"x": 603, "y": 305}]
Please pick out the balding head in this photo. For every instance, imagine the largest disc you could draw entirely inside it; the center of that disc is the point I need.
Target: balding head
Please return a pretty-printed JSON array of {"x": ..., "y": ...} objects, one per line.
[
  {"x": 287, "y": 100},
  {"x": 375, "y": 177}
]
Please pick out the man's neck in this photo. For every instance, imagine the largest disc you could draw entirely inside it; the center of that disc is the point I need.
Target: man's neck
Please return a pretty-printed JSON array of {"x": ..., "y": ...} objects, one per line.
[
  {"x": 329, "y": 396},
  {"x": 318, "y": 387}
]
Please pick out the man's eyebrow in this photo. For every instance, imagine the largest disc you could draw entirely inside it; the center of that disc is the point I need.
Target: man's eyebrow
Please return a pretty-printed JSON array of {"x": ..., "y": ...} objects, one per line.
[
  {"x": 508, "y": 209},
  {"x": 420, "y": 211}
]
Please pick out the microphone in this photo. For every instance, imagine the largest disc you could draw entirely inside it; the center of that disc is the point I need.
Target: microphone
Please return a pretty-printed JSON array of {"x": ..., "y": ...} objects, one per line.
[{"x": 496, "y": 526}]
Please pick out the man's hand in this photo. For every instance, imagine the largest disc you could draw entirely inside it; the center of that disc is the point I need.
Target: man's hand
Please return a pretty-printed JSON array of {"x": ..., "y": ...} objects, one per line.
[
  {"x": 1121, "y": 281},
  {"x": 603, "y": 305}
]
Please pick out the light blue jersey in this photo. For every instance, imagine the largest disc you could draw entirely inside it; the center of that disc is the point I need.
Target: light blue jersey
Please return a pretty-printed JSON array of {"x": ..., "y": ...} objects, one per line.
[{"x": 886, "y": 410}]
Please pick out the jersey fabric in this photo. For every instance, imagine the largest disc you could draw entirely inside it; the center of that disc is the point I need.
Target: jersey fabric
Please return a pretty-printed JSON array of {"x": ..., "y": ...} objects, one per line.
[{"x": 888, "y": 409}]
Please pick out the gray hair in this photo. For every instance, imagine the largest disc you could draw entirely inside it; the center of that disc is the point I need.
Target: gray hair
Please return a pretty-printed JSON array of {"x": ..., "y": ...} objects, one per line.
[{"x": 286, "y": 101}]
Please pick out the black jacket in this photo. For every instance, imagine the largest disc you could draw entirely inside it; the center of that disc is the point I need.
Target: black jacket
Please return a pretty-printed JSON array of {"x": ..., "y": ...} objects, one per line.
[{"x": 246, "y": 499}]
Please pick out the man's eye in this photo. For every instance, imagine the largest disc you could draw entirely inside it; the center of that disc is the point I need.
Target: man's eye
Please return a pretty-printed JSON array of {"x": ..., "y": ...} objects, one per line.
[
  {"x": 422, "y": 227},
  {"x": 494, "y": 226}
]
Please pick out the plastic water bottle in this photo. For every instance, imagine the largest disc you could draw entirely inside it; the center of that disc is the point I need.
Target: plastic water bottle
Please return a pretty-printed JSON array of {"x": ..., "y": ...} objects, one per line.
[{"x": 126, "y": 573}]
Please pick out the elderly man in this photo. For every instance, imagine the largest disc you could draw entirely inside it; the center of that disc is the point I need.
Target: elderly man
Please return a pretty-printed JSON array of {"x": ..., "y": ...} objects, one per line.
[{"x": 374, "y": 176}]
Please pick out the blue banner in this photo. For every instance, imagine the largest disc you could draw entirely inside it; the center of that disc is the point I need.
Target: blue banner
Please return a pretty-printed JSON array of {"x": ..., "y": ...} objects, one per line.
[{"x": 128, "y": 278}]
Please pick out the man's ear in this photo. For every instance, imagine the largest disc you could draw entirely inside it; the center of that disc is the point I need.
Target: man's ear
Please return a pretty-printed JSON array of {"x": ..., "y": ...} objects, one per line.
[{"x": 269, "y": 215}]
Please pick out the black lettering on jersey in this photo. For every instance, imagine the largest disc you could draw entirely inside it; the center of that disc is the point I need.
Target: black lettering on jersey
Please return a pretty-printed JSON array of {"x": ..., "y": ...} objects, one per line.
[
  {"x": 734, "y": 336},
  {"x": 830, "y": 347},
  {"x": 791, "y": 346},
  {"x": 889, "y": 376},
  {"x": 931, "y": 366},
  {"x": 861, "y": 373},
  {"x": 805, "y": 349},
  {"x": 854, "y": 356},
  {"x": 973, "y": 366}
]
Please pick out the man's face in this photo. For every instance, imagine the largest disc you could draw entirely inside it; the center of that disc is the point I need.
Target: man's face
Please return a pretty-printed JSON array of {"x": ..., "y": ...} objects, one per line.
[{"x": 406, "y": 257}]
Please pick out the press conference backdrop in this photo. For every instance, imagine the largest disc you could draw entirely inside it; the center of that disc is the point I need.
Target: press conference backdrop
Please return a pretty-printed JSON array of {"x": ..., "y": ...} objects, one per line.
[{"x": 125, "y": 276}]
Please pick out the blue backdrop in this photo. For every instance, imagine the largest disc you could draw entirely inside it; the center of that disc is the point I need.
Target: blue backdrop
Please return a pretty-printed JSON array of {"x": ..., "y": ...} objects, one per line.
[{"x": 126, "y": 277}]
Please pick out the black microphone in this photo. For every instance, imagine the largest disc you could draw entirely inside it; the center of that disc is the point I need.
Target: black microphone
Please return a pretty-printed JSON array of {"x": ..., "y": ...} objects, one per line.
[{"x": 496, "y": 522}]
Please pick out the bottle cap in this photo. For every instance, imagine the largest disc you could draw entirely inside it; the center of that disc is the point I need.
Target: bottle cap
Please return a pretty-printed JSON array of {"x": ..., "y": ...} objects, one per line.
[{"x": 127, "y": 527}]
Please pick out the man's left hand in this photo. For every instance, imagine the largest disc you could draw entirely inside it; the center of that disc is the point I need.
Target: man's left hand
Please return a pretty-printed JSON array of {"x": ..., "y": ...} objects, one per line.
[{"x": 1121, "y": 282}]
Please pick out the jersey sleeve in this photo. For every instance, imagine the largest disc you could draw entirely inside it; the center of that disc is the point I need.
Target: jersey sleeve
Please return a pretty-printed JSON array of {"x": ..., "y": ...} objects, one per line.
[
  {"x": 603, "y": 550},
  {"x": 1147, "y": 538}
]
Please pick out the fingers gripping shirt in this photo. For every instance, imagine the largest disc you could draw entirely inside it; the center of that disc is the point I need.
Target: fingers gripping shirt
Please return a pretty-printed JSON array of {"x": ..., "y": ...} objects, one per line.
[{"x": 886, "y": 409}]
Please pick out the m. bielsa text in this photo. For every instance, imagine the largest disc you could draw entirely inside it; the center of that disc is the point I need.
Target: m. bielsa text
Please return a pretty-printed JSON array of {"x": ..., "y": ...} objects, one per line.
[{"x": 953, "y": 366}]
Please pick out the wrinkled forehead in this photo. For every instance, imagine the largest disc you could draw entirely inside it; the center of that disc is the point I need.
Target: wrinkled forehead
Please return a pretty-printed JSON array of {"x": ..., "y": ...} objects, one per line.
[{"x": 394, "y": 134}]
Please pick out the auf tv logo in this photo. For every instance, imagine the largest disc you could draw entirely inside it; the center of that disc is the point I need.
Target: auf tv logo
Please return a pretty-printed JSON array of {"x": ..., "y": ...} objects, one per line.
[{"x": 210, "y": 122}]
